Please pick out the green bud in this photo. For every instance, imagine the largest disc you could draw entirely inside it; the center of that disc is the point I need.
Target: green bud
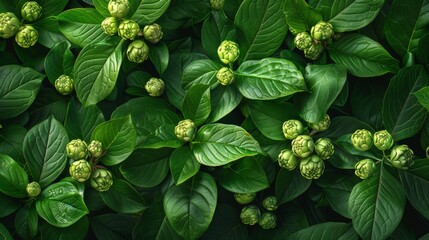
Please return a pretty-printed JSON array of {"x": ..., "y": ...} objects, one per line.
[
  {"x": 33, "y": 189},
  {"x": 312, "y": 167},
  {"x": 268, "y": 220},
  {"x": 153, "y": 33},
  {"x": 31, "y": 11},
  {"x": 128, "y": 29},
  {"x": 322, "y": 31},
  {"x": 364, "y": 168},
  {"x": 303, "y": 40},
  {"x": 228, "y": 51},
  {"x": 26, "y": 36},
  {"x": 137, "y": 51},
  {"x": 64, "y": 84},
  {"x": 302, "y": 146},
  {"x": 76, "y": 149},
  {"x": 9, "y": 24},
  {"x": 95, "y": 148},
  {"x": 287, "y": 159},
  {"x": 217, "y": 4},
  {"x": 244, "y": 198},
  {"x": 101, "y": 179},
  {"x": 225, "y": 76},
  {"x": 383, "y": 140},
  {"x": 314, "y": 51},
  {"x": 324, "y": 148},
  {"x": 402, "y": 157},
  {"x": 118, "y": 8},
  {"x": 110, "y": 25},
  {"x": 250, "y": 214},
  {"x": 270, "y": 203},
  {"x": 292, "y": 128},
  {"x": 362, "y": 139},
  {"x": 80, "y": 170},
  {"x": 322, "y": 125},
  {"x": 185, "y": 130},
  {"x": 155, "y": 87}
]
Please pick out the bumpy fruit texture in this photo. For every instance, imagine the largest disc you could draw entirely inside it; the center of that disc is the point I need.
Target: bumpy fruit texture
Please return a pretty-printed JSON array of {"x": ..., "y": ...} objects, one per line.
[
  {"x": 185, "y": 130},
  {"x": 101, "y": 180},
  {"x": 225, "y": 76},
  {"x": 244, "y": 198},
  {"x": 250, "y": 214},
  {"x": 312, "y": 167},
  {"x": 324, "y": 148},
  {"x": 33, "y": 189},
  {"x": 268, "y": 220},
  {"x": 80, "y": 170},
  {"x": 322, "y": 125},
  {"x": 95, "y": 148},
  {"x": 402, "y": 157},
  {"x": 270, "y": 203},
  {"x": 26, "y": 36},
  {"x": 287, "y": 159},
  {"x": 137, "y": 51},
  {"x": 118, "y": 8},
  {"x": 228, "y": 51},
  {"x": 9, "y": 25},
  {"x": 110, "y": 25},
  {"x": 128, "y": 29},
  {"x": 217, "y": 4},
  {"x": 76, "y": 149},
  {"x": 314, "y": 51},
  {"x": 153, "y": 33},
  {"x": 155, "y": 87},
  {"x": 383, "y": 140},
  {"x": 31, "y": 11},
  {"x": 303, "y": 40},
  {"x": 362, "y": 139},
  {"x": 64, "y": 84},
  {"x": 292, "y": 128},
  {"x": 302, "y": 146},
  {"x": 322, "y": 31},
  {"x": 364, "y": 168}
]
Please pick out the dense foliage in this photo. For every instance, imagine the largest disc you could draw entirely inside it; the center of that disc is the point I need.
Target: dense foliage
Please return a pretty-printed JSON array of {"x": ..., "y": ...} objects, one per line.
[{"x": 220, "y": 119}]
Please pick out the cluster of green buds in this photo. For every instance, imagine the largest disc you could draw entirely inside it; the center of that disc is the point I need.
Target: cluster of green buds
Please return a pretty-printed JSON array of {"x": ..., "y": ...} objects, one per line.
[
  {"x": 228, "y": 52},
  {"x": 155, "y": 87},
  {"x": 185, "y": 130},
  {"x": 137, "y": 51},
  {"x": 244, "y": 198},
  {"x": 252, "y": 214},
  {"x": 33, "y": 189},
  {"x": 64, "y": 84},
  {"x": 31, "y": 11},
  {"x": 314, "y": 43},
  {"x": 225, "y": 76}
]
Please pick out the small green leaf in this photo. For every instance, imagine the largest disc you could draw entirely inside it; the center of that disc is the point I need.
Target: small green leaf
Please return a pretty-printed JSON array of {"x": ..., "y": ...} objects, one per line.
[
  {"x": 183, "y": 164},
  {"x": 49, "y": 33},
  {"x": 300, "y": 16},
  {"x": 196, "y": 105},
  {"x": 289, "y": 185},
  {"x": 200, "y": 72},
  {"x": 59, "y": 61},
  {"x": 159, "y": 56},
  {"x": 123, "y": 198},
  {"x": 13, "y": 178},
  {"x": 148, "y": 11},
  {"x": 423, "y": 96},
  {"x": 27, "y": 222},
  {"x": 223, "y": 100}
]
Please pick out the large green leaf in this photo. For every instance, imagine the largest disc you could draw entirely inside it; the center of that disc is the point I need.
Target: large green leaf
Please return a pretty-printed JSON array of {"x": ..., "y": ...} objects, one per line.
[
  {"x": 326, "y": 231},
  {"x": 44, "y": 151},
  {"x": 96, "y": 70},
  {"x": 59, "y": 61},
  {"x": 423, "y": 96},
  {"x": 377, "y": 204},
  {"x": 362, "y": 56},
  {"x": 196, "y": 105},
  {"x": 77, "y": 230},
  {"x": 300, "y": 16},
  {"x": 123, "y": 198},
  {"x": 61, "y": 204},
  {"x": 262, "y": 28},
  {"x": 148, "y": 11},
  {"x": 403, "y": 115},
  {"x": 200, "y": 72},
  {"x": 289, "y": 185},
  {"x": 183, "y": 164},
  {"x": 190, "y": 206},
  {"x": 223, "y": 100},
  {"x": 417, "y": 191},
  {"x": 219, "y": 144},
  {"x": 18, "y": 89},
  {"x": 13, "y": 178},
  {"x": 269, "y": 78},
  {"x": 118, "y": 137},
  {"x": 324, "y": 83},
  {"x": 27, "y": 222}
]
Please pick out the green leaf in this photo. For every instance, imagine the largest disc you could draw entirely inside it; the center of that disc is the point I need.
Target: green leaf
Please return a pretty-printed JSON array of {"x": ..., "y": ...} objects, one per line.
[
  {"x": 243, "y": 176},
  {"x": 366, "y": 102},
  {"x": 101, "y": 6},
  {"x": 61, "y": 204},
  {"x": 146, "y": 167},
  {"x": 417, "y": 191},
  {"x": 59, "y": 61},
  {"x": 289, "y": 185},
  {"x": 200, "y": 72},
  {"x": 300, "y": 16},
  {"x": 49, "y": 33},
  {"x": 159, "y": 56},
  {"x": 403, "y": 115},
  {"x": 324, "y": 83},
  {"x": 112, "y": 226},
  {"x": 44, "y": 151},
  {"x": 423, "y": 96},
  {"x": 49, "y": 9},
  {"x": 26, "y": 222},
  {"x": 349, "y": 15},
  {"x": 190, "y": 206},
  {"x": 136, "y": 82},
  {"x": 219, "y": 144},
  {"x": 9, "y": 205},
  {"x": 196, "y": 105},
  {"x": 118, "y": 137},
  {"x": 13, "y": 178},
  {"x": 123, "y": 198},
  {"x": 96, "y": 70},
  {"x": 18, "y": 89},
  {"x": 148, "y": 11},
  {"x": 12, "y": 141},
  {"x": 4, "y": 233},
  {"x": 338, "y": 194},
  {"x": 223, "y": 100},
  {"x": 78, "y": 230},
  {"x": 262, "y": 28},
  {"x": 269, "y": 78},
  {"x": 325, "y": 231},
  {"x": 376, "y": 205},
  {"x": 406, "y": 23},
  {"x": 183, "y": 164},
  {"x": 362, "y": 56},
  {"x": 422, "y": 52}
]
